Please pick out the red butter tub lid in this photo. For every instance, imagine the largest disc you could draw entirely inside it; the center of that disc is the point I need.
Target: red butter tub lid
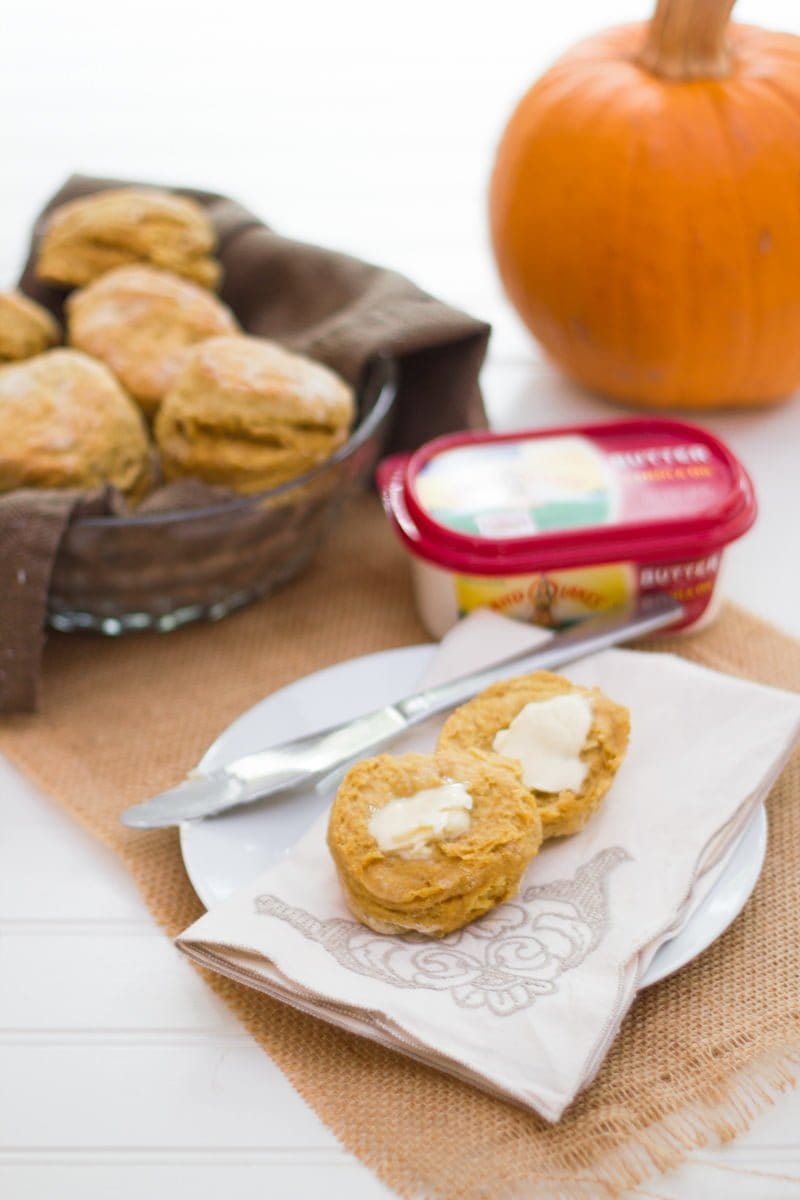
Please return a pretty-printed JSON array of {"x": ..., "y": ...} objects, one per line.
[{"x": 494, "y": 504}]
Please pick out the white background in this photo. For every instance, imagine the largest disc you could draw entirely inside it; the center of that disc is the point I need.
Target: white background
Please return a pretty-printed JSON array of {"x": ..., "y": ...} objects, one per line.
[{"x": 369, "y": 127}]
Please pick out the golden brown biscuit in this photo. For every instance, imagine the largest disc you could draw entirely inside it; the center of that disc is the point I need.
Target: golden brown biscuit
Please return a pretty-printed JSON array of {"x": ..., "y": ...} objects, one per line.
[
  {"x": 25, "y": 328},
  {"x": 86, "y": 237},
  {"x": 141, "y": 322},
  {"x": 66, "y": 422},
  {"x": 248, "y": 415},
  {"x": 464, "y": 874},
  {"x": 476, "y": 724}
]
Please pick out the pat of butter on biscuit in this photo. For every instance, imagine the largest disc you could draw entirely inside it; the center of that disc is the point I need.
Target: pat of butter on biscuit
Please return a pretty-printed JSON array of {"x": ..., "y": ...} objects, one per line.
[
  {"x": 547, "y": 736},
  {"x": 410, "y": 825}
]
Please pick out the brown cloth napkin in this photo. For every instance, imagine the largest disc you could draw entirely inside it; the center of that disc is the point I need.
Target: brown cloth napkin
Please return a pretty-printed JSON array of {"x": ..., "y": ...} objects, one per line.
[
  {"x": 330, "y": 306},
  {"x": 698, "y": 1056}
]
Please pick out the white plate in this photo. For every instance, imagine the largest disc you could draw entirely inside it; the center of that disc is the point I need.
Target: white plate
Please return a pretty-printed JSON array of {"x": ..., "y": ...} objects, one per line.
[{"x": 223, "y": 853}]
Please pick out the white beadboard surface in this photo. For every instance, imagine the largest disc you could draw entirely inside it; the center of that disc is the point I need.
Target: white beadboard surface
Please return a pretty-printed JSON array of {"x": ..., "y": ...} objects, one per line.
[{"x": 370, "y": 128}]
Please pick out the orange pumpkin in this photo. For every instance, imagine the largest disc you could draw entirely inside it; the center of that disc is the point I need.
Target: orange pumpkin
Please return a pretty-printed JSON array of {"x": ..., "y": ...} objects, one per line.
[{"x": 645, "y": 210}]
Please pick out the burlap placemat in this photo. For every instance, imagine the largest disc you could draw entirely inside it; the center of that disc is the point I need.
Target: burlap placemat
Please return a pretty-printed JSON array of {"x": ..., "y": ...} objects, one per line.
[{"x": 699, "y": 1054}]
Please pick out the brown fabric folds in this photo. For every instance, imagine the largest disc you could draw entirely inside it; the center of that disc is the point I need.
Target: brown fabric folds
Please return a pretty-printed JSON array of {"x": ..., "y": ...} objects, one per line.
[
  {"x": 330, "y": 306},
  {"x": 31, "y": 527},
  {"x": 698, "y": 1056}
]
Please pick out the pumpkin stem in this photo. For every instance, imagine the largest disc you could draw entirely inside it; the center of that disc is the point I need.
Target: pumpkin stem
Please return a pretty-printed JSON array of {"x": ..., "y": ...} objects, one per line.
[{"x": 686, "y": 39}]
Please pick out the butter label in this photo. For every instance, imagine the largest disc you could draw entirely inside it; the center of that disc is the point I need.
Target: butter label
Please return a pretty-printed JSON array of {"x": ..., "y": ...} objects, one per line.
[
  {"x": 537, "y": 485},
  {"x": 518, "y": 489},
  {"x": 553, "y": 599}
]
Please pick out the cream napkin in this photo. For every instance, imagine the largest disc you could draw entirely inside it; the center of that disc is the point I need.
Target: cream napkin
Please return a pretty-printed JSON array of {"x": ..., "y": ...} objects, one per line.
[{"x": 526, "y": 1002}]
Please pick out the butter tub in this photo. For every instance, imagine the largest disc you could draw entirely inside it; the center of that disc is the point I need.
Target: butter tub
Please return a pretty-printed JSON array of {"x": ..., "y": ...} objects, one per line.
[{"x": 551, "y": 526}]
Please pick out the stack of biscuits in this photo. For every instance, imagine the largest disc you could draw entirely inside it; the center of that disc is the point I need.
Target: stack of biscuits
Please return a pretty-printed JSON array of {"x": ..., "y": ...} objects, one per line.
[
  {"x": 437, "y": 879},
  {"x": 157, "y": 380}
]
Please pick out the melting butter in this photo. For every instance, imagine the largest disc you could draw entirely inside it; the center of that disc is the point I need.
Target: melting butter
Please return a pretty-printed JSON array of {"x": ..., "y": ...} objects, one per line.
[
  {"x": 409, "y": 825},
  {"x": 547, "y": 737}
]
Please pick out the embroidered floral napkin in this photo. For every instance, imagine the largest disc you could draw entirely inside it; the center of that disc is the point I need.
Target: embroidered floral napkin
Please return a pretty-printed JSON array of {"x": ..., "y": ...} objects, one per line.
[{"x": 526, "y": 1002}]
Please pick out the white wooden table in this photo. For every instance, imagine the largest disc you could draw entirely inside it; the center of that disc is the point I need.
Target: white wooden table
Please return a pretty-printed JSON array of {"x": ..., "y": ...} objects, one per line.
[{"x": 369, "y": 128}]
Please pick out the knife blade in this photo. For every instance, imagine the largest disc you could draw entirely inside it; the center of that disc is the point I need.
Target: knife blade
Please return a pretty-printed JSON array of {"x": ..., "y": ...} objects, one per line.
[{"x": 305, "y": 761}]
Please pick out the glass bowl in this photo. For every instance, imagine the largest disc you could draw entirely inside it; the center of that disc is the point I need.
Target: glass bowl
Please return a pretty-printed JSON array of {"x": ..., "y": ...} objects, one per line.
[{"x": 161, "y": 570}]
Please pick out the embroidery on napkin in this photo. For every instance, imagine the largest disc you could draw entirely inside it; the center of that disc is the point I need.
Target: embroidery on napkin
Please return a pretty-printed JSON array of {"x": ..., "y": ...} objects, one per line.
[{"x": 502, "y": 962}]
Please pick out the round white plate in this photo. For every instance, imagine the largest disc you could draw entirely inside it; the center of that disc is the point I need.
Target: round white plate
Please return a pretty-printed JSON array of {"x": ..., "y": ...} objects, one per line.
[{"x": 223, "y": 853}]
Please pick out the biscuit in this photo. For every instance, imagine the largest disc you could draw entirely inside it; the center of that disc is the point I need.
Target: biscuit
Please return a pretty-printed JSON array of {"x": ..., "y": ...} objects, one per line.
[
  {"x": 65, "y": 422},
  {"x": 25, "y": 328},
  {"x": 141, "y": 322},
  {"x": 86, "y": 237},
  {"x": 464, "y": 874},
  {"x": 246, "y": 414},
  {"x": 477, "y": 723}
]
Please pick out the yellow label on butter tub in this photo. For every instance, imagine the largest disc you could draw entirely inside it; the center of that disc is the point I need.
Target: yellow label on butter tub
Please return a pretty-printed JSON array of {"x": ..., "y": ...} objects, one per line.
[{"x": 551, "y": 599}]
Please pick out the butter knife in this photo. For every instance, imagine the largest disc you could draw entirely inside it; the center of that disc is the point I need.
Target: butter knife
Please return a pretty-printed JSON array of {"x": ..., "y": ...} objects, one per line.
[{"x": 306, "y": 760}]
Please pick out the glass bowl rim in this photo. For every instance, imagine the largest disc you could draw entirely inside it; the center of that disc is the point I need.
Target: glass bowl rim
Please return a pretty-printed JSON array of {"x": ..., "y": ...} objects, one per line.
[{"x": 386, "y": 397}]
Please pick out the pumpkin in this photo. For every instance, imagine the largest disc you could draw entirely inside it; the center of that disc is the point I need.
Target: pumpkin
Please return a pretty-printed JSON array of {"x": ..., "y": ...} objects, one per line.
[{"x": 645, "y": 210}]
